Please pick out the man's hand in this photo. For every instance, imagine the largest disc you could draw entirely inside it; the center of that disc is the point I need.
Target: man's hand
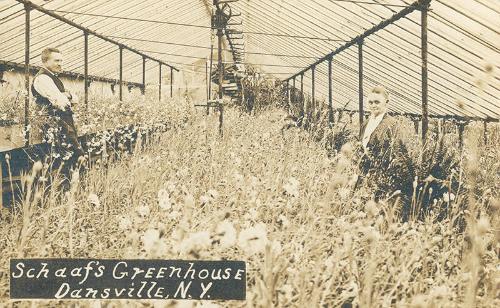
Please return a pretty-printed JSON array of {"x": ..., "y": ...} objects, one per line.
[
  {"x": 72, "y": 98},
  {"x": 62, "y": 105}
]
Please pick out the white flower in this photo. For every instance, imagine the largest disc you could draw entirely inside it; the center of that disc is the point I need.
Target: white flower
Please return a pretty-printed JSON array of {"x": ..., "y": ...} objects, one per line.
[
  {"x": 283, "y": 220},
  {"x": 254, "y": 239},
  {"x": 143, "y": 210},
  {"x": 371, "y": 208},
  {"x": 205, "y": 199},
  {"x": 37, "y": 166},
  {"x": 447, "y": 197},
  {"x": 213, "y": 193},
  {"x": 164, "y": 200},
  {"x": 174, "y": 214},
  {"x": 226, "y": 234},
  {"x": 94, "y": 199},
  {"x": 195, "y": 242},
  {"x": 150, "y": 238},
  {"x": 125, "y": 223},
  {"x": 189, "y": 201},
  {"x": 292, "y": 187}
]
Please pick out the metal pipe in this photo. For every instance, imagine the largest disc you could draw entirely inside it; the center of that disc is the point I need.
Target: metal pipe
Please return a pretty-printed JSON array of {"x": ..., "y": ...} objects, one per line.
[
  {"x": 221, "y": 69},
  {"x": 121, "y": 73},
  {"x": 485, "y": 132},
  {"x": 360, "y": 85},
  {"x": 313, "y": 89},
  {"x": 206, "y": 80},
  {"x": 425, "y": 88},
  {"x": 143, "y": 89},
  {"x": 171, "y": 82},
  {"x": 302, "y": 94},
  {"x": 159, "y": 82},
  {"x": 210, "y": 72},
  {"x": 330, "y": 93},
  {"x": 86, "y": 68},
  {"x": 287, "y": 92},
  {"x": 461, "y": 128},
  {"x": 27, "y": 10}
]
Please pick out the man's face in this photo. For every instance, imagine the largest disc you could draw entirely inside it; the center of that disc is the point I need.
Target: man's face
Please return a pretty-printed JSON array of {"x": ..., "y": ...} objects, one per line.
[
  {"x": 54, "y": 62},
  {"x": 377, "y": 103}
]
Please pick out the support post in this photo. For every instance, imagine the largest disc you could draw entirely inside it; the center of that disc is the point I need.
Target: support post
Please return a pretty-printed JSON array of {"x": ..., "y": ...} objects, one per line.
[
  {"x": 313, "y": 89},
  {"x": 143, "y": 90},
  {"x": 210, "y": 72},
  {"x": 206, "y": 81},
  {"x": 287, "y": 92},
  {"x": 221, "y": 69},
  {"x": 302, "y": 100},
  {"x": 425, "y": 112},
  {"x": 360, "y": 85},
  {"x": 485, "y": 132},
  {"x": 121, "y": 74},
  {"x": 221, "y": 118},
  {"x": 159, "y": 82},
  {"x": 171, "y": 82},
  {"x": 220, "y": 25},
  {"x": 293, "y": 91},
  {"x": 86, "y": 68},
  {"x": 330, "y": 93},
  {"x": 415, "y": 125},
  {"x": 27, "y": 30},
  {"x": 461, "y": 128}
]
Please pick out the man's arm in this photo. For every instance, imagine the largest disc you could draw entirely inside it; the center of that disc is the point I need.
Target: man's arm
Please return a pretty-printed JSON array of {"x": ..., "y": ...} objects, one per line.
[{"x": 47, "y": 88}]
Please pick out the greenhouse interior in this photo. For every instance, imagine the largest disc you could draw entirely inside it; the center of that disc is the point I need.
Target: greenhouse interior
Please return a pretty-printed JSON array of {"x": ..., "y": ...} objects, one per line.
[{"x": 333, "y": 153}]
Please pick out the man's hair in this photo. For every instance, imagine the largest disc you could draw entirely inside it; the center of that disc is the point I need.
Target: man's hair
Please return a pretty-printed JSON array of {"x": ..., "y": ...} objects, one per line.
[
  {"x": 47, "y": 52},
  {"x": 380, "y": 90}
]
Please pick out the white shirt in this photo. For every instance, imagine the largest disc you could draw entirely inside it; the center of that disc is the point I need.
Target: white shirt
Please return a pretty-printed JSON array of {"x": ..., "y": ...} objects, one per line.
[
  {"x": 373, "y": 123},
  {"x": 44, "y": 85}
]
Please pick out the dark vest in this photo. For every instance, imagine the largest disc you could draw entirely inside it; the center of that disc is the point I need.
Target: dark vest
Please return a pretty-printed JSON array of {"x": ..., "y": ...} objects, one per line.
[{"x": 41, "y": 100}]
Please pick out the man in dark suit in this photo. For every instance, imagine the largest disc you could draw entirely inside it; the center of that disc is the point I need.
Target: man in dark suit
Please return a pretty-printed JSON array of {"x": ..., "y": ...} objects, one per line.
[{"x": 385, "y": 160}]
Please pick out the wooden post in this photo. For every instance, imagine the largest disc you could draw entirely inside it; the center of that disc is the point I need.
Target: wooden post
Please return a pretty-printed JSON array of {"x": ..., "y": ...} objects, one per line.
[
  {"x": 86, "y": 67},
  {"x": 143, "y": 90},
  {"x": 27, "y": 29},
  {"x": 171, "y": 82},
  {"x": 330, "y": 93},
  {"x": 360, "y": 84},
  {"x": 425, "y": 112},
  {"x": 159, "y": 82},
  {"x": 121, "y": 73},
  {"x": 293, "y": 91}
]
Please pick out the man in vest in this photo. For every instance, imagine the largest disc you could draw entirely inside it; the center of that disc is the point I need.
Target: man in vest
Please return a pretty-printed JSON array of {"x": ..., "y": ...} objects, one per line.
[{"x": 54, "y": 104}]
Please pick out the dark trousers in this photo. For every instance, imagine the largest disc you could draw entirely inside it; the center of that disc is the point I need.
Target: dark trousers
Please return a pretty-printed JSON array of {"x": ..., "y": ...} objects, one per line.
[{"x": 65, "y": 149}]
